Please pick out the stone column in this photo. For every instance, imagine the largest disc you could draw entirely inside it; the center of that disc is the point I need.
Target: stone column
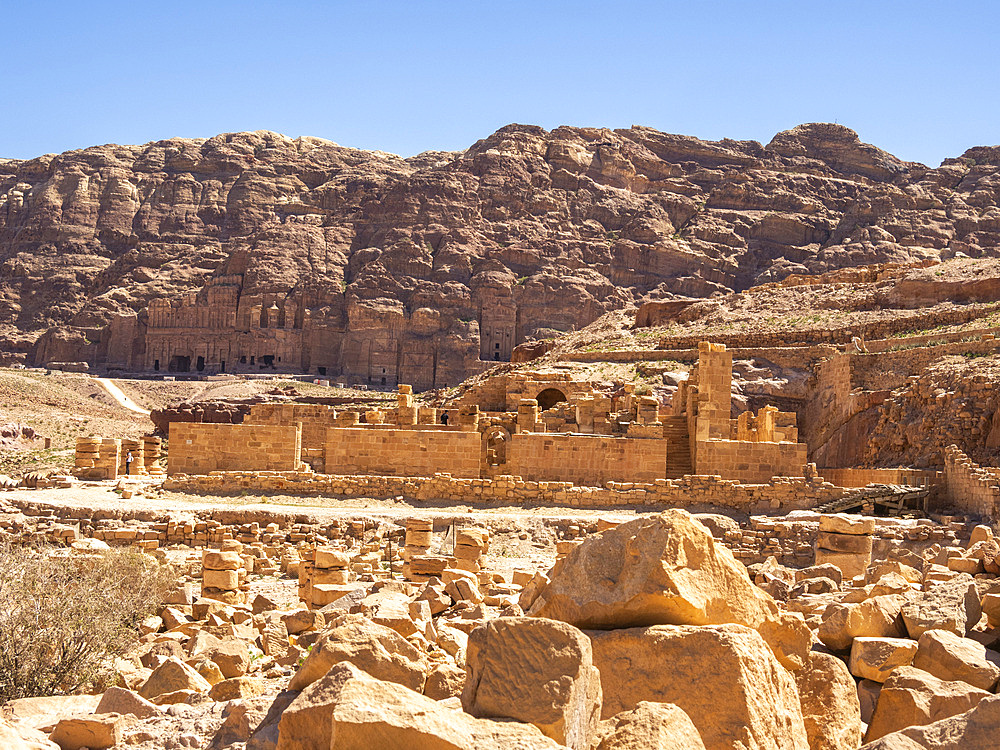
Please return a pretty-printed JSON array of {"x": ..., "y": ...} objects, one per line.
[
  {"x": 221, "y": 576},
  {"x": 468, "y": 418},
  {"x": 406, "y": 411},
  {"x": 527, "y": 415},
  {"x": 845, "y": 541}
]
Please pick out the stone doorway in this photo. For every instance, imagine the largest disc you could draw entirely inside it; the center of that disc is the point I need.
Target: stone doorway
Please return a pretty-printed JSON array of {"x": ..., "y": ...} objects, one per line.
[
  {"x": 179, "y": 363},
  {"x": 493, "y": 459}
]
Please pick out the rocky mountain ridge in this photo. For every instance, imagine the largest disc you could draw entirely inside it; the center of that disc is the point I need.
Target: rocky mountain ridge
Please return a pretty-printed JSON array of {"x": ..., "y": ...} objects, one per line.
[{"x": 526, "y": 234}]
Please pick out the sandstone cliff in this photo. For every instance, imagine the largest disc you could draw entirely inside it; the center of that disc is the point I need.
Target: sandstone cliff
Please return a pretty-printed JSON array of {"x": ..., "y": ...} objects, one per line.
[{"x": 254, "y": 250}]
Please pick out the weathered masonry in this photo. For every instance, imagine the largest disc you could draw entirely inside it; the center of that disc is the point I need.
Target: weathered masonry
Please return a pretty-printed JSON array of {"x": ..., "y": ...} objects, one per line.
[{"x": 545, "y": 429}]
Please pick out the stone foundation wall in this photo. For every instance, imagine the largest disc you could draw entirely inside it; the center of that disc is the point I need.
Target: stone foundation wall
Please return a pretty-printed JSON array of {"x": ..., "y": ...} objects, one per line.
[
  {"x": 586, "y": 459},
  {"x": 751, "y": 462},
  {"x": 201, "y": 448},
  {"x": 398, "y": 452},
  {"x": 779, "y": 495}
]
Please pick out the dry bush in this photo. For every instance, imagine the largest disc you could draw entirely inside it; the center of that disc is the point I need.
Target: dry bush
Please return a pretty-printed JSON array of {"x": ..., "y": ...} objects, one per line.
[{"x": 64, "y": 619}]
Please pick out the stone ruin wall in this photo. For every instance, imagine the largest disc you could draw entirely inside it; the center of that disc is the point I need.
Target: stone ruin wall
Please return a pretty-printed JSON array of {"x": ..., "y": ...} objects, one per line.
[
  {"x": 779, "y": 495},
  {"x": 791, "y": 541},
  {"x": 864, "y": 477},
  {"x": 753, "y": 463},
  {"x": 752, "y": 448},
  {"x": 969, "y": 487},
  {"x": 578, "y": 440},
  {"x": 879, "y": 329},
  {"x": 586, "y": 460},
  {"x": 202, "y": 448},
  {"x": 356, "y": 450}
]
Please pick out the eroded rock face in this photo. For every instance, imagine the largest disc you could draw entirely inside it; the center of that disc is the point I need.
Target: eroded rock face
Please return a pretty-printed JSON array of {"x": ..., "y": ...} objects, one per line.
[
  {"x": 537, "y": 671},
  {"x": 724, "y": 677},
  {"x": 912, "y": 697},
  {"x": 650, "y": 726},
  {"x": 378, "y": 650},
  {"x": 525, "y": 234},
  {"x": 973, "y": 730},
  {"x": 831, "y": 709},
  {"x": 664, "y": 570}
]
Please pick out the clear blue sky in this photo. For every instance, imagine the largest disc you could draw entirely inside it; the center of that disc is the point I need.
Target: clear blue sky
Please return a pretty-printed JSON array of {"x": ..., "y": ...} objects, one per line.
[{"x": 919, "y": 79}]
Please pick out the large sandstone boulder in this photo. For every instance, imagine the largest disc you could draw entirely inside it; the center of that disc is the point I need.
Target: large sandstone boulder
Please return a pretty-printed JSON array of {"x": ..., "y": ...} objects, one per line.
[
  {"x": 831, "y": 709},
  {"x": 649, "y": 726},
  {"x": 173, "y": 676},
  {"x": 118, "y": 700},
  {"x": 876, "y": 658},
  {"x": 90, "y": 732},
  {"x": 20, "y": 737},
  {"x": 951, "y": 605},
  {"x": 664, "y": 570},
  {"x": 975, "y": 729},
  {"x": 348, "y": 709},
  {"x": 378, "y": 650},
  {"x": 951, "y": 657},
  {"x": 723, "y": 676},
  {"x": 537, "y": 671},
  {"x": 877, "y": 617},
  {"x": 232, "y": 655},
  {"x": 912, "y": 697}
]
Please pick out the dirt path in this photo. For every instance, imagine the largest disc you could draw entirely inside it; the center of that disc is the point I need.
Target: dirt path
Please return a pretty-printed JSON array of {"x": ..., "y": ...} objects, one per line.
[{"x": 121, "y": 398}]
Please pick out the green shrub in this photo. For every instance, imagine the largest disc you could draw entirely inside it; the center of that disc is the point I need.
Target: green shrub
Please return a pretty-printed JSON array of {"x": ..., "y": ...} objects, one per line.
[{"x": 64, "y": 619}]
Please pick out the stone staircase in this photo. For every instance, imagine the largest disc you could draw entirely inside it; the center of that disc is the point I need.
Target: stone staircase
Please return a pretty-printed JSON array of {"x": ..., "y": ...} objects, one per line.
[{"x": 675, "y": 430}]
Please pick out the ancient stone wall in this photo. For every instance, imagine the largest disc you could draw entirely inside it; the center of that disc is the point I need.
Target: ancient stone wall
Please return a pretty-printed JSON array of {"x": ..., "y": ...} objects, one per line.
[
  {"x": 588, "y": 460},
  {"x": 969, "y": 487},
  {"x": 401, "y": 452},
  {"x": 314, "y": 418},
  {"x": 546, "y": 388},
  {"x": 777, "y": 495},
  {"x": 713, "y": 404},
  {"x": 489, "y": 394},
  {"x": 875, "y": 330},
  {"x": 751, "y": 462},
  {"x": 768, "y": 426},
  {"x": 201, "y": 448}
]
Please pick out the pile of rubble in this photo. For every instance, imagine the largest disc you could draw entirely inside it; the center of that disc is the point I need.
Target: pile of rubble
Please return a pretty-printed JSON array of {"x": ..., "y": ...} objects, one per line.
[{"x": 647, "y": 633}]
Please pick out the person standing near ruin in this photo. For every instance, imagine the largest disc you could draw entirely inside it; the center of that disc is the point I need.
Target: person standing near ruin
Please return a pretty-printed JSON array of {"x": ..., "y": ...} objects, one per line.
[{"x": 128, "y": 463}]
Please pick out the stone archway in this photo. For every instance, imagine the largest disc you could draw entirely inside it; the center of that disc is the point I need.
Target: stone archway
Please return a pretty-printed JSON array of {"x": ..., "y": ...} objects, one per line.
[
  {"x": 549, "y": 398},
  {"x": 495, "y": 451}
]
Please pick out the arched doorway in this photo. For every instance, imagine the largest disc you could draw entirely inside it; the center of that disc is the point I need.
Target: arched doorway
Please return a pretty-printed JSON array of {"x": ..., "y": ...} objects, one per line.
[
  {"x": 549, "y": 398},
  {"x": 496, "y": 444}
]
